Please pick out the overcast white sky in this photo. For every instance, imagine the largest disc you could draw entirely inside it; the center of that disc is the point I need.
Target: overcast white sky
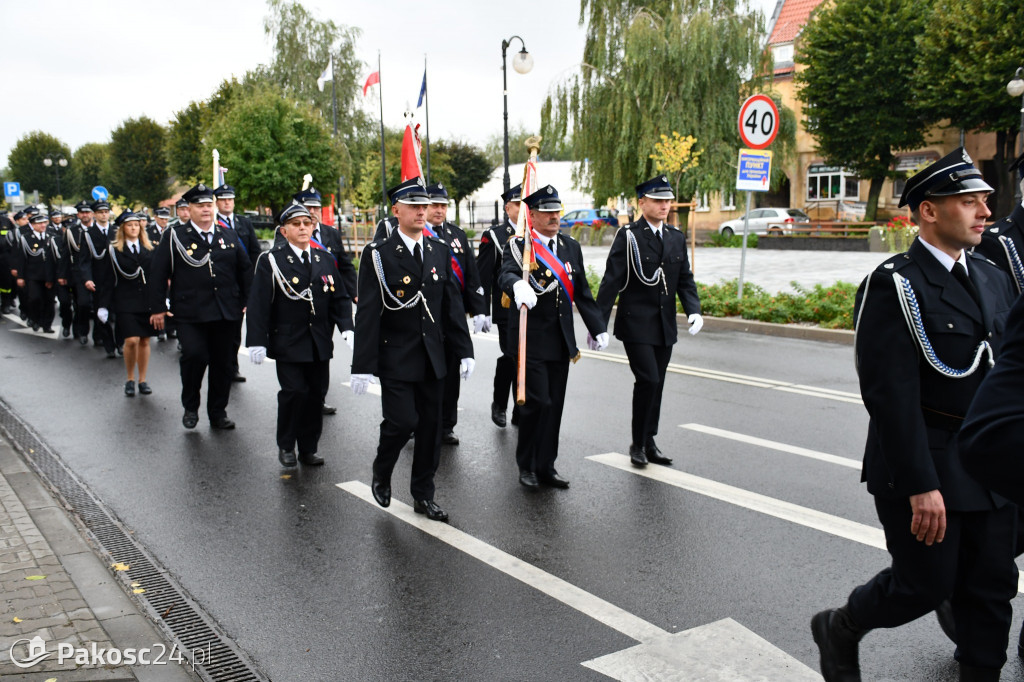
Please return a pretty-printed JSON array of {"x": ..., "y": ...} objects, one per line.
[{"x": 122, "y": 59}]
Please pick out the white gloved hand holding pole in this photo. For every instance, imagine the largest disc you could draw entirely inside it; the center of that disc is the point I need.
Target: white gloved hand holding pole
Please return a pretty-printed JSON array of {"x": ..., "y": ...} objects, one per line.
[
  {"x": 481, "y": 323},
  {"x": 524, "y": 295},
  {"x": 696, "y": 323}
]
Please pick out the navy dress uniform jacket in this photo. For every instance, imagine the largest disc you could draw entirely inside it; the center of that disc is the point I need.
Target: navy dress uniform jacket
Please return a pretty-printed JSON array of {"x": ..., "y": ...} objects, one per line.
[
  {"x": 290, "y": 329},
  {"x": 215, "y": 291},
  {"x": 330, "y": 237},
  {"x": 398, "y": 344},
  {"x": 92, "y": 263},
  {"x": 458, "y": 246},
  {"x": 246, "y": 236},
  {"x": 647, "y": 314},
  {"x": 550, "y": 322},
  {"x": 915, "y": 409},
  {"x": 1003, "y": 244},
  {"x": 488, "y": 263},
  {"x": 128, "y": 295},
  {"x": 36, "y": 257}
]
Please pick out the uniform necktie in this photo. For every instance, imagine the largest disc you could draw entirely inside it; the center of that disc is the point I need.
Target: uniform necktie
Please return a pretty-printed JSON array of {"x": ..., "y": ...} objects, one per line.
[
  {"x": 551, "y": 245},
  {"x": 209, "y": 238},
  {"x": 316, "y": 235},
  {"x": 960, "y": 272},
  {"x": 418, "y": 253},
  {"x": 135, "y": 250}
]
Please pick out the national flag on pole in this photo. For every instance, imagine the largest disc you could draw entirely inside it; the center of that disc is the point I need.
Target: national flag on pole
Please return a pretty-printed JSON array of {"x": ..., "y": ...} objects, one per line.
[
  {"x": 410, "y": 155},
  {"x": 423, "y": 90},
  {"x": 373, "y": 79},
  {"x": 327, "y": 75}
]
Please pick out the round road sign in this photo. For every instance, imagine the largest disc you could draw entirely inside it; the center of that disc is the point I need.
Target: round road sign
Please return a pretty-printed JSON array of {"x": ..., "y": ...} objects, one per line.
[{"x": 759, "y": 121}]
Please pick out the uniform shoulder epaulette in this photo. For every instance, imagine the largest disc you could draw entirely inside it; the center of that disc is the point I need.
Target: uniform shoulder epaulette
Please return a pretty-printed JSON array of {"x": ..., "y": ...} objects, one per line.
[
  {"x": 893, "y": 263},
  {"x": 671, "y": 227},
  {"x": 372, "y": 245},
  {"x": 435, "y": 239},
  {"x": 980, "y": 257}
]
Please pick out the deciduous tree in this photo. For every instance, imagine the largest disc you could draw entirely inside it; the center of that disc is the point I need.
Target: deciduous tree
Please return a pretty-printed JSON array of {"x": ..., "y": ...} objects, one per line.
[
  {"x": 136, "y": 163},
  {"x": 87, "y": 168},
  {"x": 25, "y": 163}
]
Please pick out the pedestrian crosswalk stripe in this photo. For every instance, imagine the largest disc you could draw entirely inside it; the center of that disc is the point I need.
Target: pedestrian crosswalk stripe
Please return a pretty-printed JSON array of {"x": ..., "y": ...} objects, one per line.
[{"x": 773, "y": 445}]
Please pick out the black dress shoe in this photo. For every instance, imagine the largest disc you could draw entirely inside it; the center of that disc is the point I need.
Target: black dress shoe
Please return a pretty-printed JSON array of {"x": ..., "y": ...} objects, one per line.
[
  {"x": 837, "y": 638},
  {"x": 515, "y": 415},
  {"x": 111, "y": 355},
  {"x": 553, "y": 480},
  {"x": 84, "y": 340},
  {"x": 120, "y": 352},
  {"x": 238, "y": 378},
  {"x": 35, "y": 327},
  {"x": 286, "y": 458},
  {"x": 498, "y": 415},
  {"x": 47, "y": 330},
  {"x": 430, "y": 508},
  {"x": 222, "y": 423},
  {"x": 381, "y": 491},
  {"x": 328, "y": 409},
  {"x": 144, "y": 388},
  {"x": 311, "y": 458},
  {"x": 654, "y": 456},
  {"x": 636, "y": 456},
  {"x": 190, "y": 419},
  {"x": 129, "y": 388},
  {"x": 528, "y": 478},
  {"x": 65, "y": 332},
  {"x": 449, "y": 438},
  {"x": 944, "y": 614}
]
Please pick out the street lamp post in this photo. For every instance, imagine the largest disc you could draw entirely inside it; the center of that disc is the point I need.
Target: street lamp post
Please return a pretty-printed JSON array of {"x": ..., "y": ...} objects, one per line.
[
  {"x": 58, "y": 161},
  {"x": 522, "y": 63},
  {"x": 1015, "y": 88}
]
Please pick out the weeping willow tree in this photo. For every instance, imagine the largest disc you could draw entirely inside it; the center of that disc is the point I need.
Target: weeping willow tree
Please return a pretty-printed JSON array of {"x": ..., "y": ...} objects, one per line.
[{"x": 653, "y": 68}]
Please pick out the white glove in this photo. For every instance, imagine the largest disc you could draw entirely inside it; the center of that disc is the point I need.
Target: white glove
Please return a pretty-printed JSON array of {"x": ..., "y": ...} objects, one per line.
[
  {"x": 102, "y": 315},
  {"x": 601, "y": 342},
  {"x": 696, "y": 323},
  {"x": 591, "y": 343},
  {"x": 466, "y": 368},
  {"x": 481, "y": 323},
  {"x": 524, "y": 295},
  {"x": 360, "y": 383},
  {"x": 257, "y": 354},
  {"x": 349, "y": 338},
  {"x": 490, "y": 323}
]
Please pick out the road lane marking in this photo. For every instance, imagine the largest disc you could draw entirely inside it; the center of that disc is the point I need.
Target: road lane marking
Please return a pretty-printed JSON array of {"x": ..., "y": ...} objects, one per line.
[
  {"x": 804, "y": 516},
  {"x": 570, "y": 595},
  {"x": 722, "y": 651},
  {"x": 773, "y": 445},
  {"x": 727, "y": 377}
]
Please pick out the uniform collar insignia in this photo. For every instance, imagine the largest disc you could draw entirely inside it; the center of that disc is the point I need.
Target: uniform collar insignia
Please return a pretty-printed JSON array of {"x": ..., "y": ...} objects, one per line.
[
  {"x": 995, "y": 230},
  {"x": 889, "y": 266}
]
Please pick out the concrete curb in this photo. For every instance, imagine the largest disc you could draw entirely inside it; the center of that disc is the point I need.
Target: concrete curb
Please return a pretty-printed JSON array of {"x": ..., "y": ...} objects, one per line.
[
  {"x": 790, "y": 331},
  {"x": 122, "y": 620}
]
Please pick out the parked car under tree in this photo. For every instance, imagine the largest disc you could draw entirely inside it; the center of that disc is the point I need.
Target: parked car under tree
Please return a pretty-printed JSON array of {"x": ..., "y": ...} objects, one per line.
[{"x": 764, "y": 221}]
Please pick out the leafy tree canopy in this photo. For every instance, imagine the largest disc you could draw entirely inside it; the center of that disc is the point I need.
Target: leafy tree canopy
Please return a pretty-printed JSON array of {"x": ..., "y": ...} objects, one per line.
[
  {"x": 136, "y": 165},
  {"x": 25, "y": 163},
  {"x": 87, "y": 169}
]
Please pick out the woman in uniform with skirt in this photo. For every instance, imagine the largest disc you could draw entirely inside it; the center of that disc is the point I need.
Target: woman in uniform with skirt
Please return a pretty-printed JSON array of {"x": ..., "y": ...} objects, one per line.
[{"x": 130, "y": 257}]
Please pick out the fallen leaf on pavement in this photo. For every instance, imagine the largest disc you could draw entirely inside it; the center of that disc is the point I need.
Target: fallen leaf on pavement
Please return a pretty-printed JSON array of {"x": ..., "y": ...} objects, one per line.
[
  {"x": 119, "y": 566},
  {"x": 35, "y": 577}
]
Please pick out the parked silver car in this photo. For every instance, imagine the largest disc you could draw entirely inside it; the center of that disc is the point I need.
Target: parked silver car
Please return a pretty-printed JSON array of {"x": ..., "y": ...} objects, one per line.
[{"x": 777, "y": 220}]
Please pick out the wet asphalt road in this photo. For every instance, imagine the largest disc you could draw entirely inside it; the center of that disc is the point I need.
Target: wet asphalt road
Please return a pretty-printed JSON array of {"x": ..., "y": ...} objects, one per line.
[{"x": 316, "y": 584}]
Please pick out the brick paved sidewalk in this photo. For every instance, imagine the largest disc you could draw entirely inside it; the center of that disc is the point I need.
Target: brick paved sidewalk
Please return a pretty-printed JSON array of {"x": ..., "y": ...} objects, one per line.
[{"x": 53, "y": 586}]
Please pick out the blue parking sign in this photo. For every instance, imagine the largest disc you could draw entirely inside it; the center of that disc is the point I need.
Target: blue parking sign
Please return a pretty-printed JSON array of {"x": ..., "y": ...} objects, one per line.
[{"x": 12, "y": 189}]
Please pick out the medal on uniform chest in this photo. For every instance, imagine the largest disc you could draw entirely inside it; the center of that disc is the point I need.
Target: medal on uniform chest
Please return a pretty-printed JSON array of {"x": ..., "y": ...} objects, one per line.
[
  {"x": 400, "y": 293},
  {"x": 191, "y": 246},
  {"x": 433, "y": 272},
  {"x": 568, "y": 268},
  {"x": 290, "y": 259},
  {"x": 189, "y": 251},
  {"x": 547, "y": 272},
  {"x": 295, "y": 280},
  {"x": 406, "y": 280},
  {"x": 330, "y": 281}
]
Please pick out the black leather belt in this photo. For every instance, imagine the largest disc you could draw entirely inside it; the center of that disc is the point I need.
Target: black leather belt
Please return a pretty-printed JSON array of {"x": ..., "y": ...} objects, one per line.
[{"x": 941, "y": 420}]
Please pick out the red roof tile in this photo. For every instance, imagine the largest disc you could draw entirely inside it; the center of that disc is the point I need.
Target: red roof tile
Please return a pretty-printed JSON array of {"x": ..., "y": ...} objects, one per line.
[{"x": 791, "y": 20}]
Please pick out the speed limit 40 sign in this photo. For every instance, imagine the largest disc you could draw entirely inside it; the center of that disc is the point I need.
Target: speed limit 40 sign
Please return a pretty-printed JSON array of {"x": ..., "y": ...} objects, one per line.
[{"x": 759, "y": 121}]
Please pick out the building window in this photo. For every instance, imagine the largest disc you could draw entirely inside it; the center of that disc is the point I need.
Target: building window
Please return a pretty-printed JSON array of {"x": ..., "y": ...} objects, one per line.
[
  {"x": 908, "y": 165},
  {"x": 831, "y": 182},
  {"x": 702, "y": 202},
  {"x": 782, "y": 55},
  {"x": 728, "y": 201}
]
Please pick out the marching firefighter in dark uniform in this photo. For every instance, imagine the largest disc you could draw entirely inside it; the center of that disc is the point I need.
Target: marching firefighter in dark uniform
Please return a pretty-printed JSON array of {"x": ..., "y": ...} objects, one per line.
[
  {"x": 410, "y": 308},
  {"x": 558, "y": 282},
  {"x": 488, "y": 263},
  {"x": 82, "y": 296},
  {"x": 8, "y": 230},
  {"x": 35, "y": 265},
  {"x": 328, "y": 239},
  {"x": 928, "y": 323},
  {"x": 65, "y": 288},
  {"x": 227, "y": 220},
  {"x": 297, "y": 299},
  {"x": 209, "y": 276},
  {"x": 94, "y": 270},
  {"x": 647, "y": 269},
  {"x": 1003, "y": 242},
  {"x": 468, "y": 279}
]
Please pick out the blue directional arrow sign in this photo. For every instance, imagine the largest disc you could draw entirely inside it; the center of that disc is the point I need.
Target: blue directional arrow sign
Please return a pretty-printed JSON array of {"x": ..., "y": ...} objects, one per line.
[
  {"x": 100, "y": 193},
  {"x": 12, "y": 189}
]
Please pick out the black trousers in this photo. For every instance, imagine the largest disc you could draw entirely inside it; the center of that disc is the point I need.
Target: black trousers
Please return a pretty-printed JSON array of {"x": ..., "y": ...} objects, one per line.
[
  {"x": 505, "y": 368},
  {"x": 206, "y": 344},
  {"x": 300, "y": 401},
  {"x": 83, "y": 310},
  {"x": 65, "y": 301},
  {"x": 7, "y": 283},
  {"x": 540, "y": 418},
  {"x": 38, "y": 301},
  {"x": 452, "y": 388},
  {"x": 103, "y": 332},
  {"x": 649, "y": 364},
  {"x": 411, "y": 406},
  {"x": 974, "y": 564},
  {"x": 238, "y": 344}
]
